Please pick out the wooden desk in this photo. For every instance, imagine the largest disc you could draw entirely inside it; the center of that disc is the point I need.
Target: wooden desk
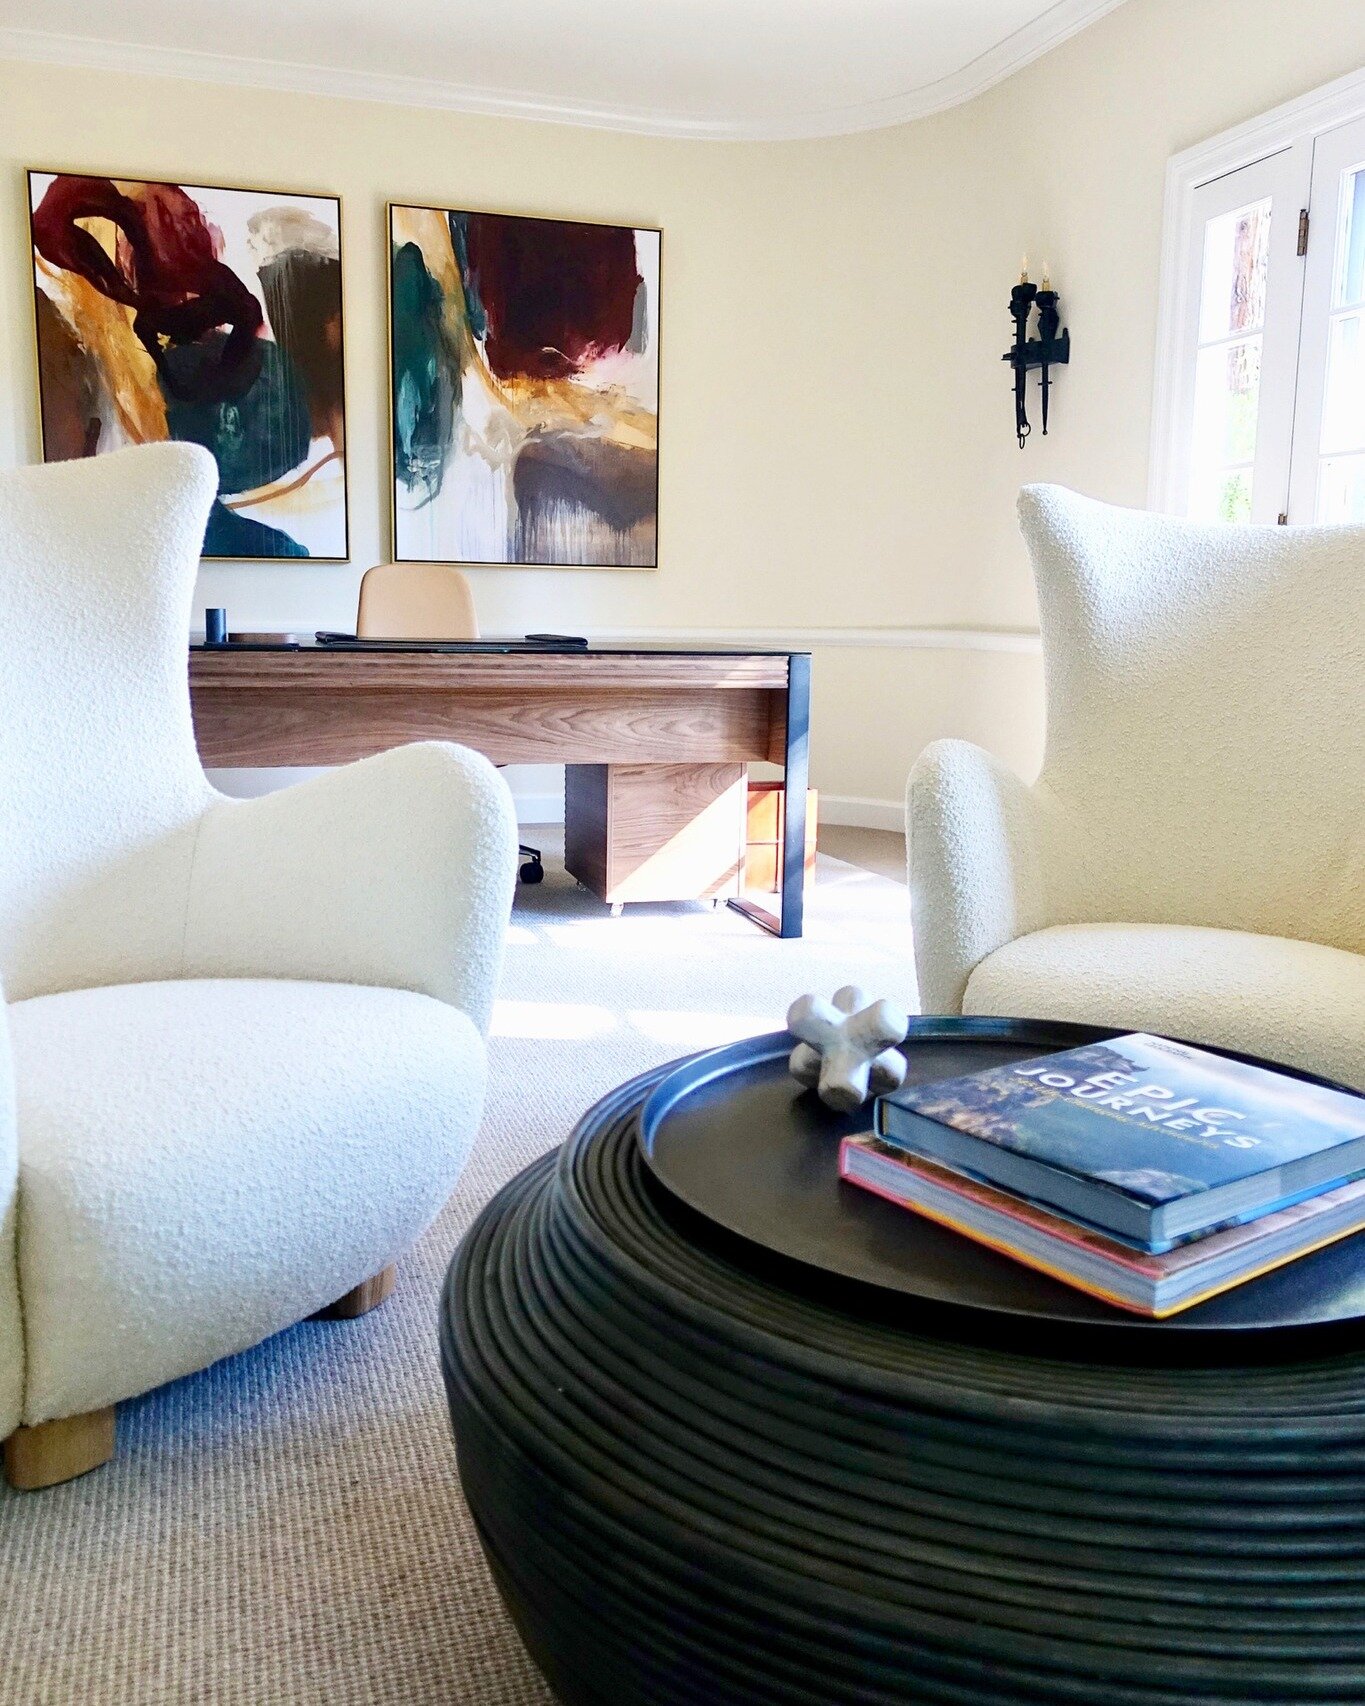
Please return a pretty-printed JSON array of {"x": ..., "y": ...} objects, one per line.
[{"x": 692, "y": 714}]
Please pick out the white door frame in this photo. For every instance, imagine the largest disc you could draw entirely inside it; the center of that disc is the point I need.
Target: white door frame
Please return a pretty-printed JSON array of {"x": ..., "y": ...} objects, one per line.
[
  {"x": 1295, "y": 125},
  {"x": 1338, "y": 152},
  {"x": 1282, "y": 179}
]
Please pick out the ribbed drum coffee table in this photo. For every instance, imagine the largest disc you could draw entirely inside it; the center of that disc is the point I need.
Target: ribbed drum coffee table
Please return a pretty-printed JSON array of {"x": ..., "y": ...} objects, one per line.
[{"x": 705, "y": 1472}]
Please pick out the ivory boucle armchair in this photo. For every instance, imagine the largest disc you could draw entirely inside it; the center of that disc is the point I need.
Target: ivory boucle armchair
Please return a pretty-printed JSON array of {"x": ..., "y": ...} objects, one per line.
[
  {"x": 1192, "y": 857},
  {"x": 241, "y": 1042}
]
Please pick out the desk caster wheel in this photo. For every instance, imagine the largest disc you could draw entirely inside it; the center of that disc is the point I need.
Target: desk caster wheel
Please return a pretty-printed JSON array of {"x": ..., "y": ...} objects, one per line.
[{"x": 532, "y": 871}]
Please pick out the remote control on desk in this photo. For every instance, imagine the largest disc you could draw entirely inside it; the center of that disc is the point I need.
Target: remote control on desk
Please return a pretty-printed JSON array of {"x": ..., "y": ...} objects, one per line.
[{"x": 575, "y": 640}]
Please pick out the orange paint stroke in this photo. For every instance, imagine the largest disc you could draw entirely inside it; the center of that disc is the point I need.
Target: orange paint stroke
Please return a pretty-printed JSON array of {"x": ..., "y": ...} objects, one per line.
[
  {"x": 104, "y": 329},
  {"x": 267, "y": 494}
]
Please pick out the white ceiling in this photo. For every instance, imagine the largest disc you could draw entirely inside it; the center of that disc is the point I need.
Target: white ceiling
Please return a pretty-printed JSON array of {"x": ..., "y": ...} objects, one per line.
[{"x": 700, "y": 68}]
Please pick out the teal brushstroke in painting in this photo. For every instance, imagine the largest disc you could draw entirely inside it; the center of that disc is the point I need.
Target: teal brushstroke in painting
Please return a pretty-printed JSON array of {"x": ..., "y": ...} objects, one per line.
[
  {"x": 256, "y": 438},
  {"x": 475, "y": 312},
  {"x": 231, "y": 535},
  {"x": 426, "y": 380}
]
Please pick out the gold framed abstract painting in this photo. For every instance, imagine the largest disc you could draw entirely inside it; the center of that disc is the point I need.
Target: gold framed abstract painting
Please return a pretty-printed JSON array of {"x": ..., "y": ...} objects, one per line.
[
  {"x": 524, "y": 389},
  {"x": 205, "y": 314}
]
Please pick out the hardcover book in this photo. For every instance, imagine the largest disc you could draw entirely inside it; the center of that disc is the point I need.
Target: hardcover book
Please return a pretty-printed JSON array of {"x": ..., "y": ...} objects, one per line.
[
  {"x": 1149, "y": 1140},
  {"x": 1155, "y": 1285}
]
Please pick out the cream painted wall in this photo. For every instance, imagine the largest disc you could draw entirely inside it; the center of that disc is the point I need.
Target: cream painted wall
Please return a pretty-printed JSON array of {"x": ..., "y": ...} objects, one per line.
[
  {"x": 1066, "y": 160},
  {"x": 836, "y": 445}
]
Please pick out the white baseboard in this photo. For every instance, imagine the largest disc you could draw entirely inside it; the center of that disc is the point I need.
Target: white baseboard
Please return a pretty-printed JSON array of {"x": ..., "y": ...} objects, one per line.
[
  {"x": 855, "y": 811},
  {"x": 539, "y": 807},
  {"x": 546, "y": 805}
]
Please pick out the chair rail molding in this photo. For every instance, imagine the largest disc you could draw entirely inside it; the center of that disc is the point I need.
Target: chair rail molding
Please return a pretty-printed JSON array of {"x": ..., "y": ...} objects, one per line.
[
  {"x": 812, "y": 639},
  {"x": 1052, "y": 27},
  {"x": 537, "y": 804}
]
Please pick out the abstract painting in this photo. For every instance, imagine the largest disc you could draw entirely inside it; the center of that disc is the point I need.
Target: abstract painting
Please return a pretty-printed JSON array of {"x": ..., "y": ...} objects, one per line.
[
  {"x": 179, "y": 311},
  {"x": 524, "y": 369}
]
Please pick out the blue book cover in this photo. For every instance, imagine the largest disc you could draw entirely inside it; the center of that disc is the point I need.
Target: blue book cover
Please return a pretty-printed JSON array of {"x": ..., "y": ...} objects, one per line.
[{"x": 1150, "y": 1138}]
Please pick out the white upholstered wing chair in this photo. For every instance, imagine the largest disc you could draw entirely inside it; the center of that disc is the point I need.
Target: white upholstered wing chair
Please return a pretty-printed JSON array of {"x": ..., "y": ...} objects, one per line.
[
  {"x": 1192, "y": 857},
  {"x": 242, "y": 1042}
]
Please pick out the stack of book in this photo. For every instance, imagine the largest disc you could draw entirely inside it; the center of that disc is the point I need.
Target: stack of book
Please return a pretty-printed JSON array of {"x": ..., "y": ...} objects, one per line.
[{"x": 1146, "y": 1172}]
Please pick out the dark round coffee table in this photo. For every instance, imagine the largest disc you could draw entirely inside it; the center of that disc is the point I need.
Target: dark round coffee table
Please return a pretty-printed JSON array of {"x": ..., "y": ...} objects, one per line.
[{"x": 707, "y": 1472}]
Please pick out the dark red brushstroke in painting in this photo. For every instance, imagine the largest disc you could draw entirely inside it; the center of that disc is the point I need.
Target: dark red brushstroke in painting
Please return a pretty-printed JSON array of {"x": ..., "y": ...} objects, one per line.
[
  {"x": 556, "y": 295},
  {"x": 165, "y": 270}
]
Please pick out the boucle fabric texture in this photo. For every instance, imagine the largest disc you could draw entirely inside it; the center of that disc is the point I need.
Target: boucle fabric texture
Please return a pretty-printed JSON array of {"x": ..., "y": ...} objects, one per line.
[
  {"x": 119, "y": 862},
  {"x": 1205, "y": 760},
  {"x": 1267, "y": 995},
  {"x": 200, "y": 1159},
  {"x": 101, "y": 782},
  {"x": 11, "y": 1318},
  {"x": 286, "y": 1527},
  {"x": 202, "y": 1163},
  {"x": 395, "y": 871}
]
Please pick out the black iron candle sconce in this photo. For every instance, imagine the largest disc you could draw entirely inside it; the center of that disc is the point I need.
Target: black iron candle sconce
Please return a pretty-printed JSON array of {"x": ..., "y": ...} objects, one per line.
[{"x": 1048, "y": 350}]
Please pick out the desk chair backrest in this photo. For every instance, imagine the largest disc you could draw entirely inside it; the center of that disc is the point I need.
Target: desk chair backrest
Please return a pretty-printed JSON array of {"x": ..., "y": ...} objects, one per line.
[
  {"x": 416, "y": 601},
  {"x": 424, "y": 601}
]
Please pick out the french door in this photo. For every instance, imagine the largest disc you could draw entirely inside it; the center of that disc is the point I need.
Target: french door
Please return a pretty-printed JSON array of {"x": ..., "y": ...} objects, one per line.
[
  {"x": 1245, "y": 291},
  {"x": 1270, "y": 405},
  {"x": 1327, "y": 481}
]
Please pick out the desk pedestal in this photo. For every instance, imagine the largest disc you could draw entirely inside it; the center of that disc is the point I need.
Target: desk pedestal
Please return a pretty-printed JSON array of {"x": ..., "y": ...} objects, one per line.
[{"x": 655, "y": 831}]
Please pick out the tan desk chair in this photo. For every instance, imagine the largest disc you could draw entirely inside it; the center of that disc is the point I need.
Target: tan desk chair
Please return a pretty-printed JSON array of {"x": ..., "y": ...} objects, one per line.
[
  {"x": 416, "y": 601},
  {"x": 425, "y": 601}
]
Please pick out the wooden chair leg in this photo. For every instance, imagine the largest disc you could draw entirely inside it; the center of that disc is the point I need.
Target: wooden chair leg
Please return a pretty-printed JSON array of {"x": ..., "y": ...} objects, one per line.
[
  {"x": 368, "y": 1295},
  {"x": 52, "y": 1452}
]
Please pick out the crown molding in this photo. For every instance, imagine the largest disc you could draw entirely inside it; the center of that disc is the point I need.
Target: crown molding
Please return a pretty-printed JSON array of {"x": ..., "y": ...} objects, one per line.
[{"x": 1064, "y": 19}]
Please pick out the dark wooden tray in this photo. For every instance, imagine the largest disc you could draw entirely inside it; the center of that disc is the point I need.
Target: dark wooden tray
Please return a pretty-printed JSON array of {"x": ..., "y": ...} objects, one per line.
[{"x": 734, "y": 1137}]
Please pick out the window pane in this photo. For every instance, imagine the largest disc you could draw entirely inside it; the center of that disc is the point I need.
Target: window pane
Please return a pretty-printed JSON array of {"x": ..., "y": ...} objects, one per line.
[
  {"x": 1226, "y": 391},
  {"x": 1219, "y": 494},
  {"x": 1343, "y": 415},
  {"x": 1341, "y": 489},
  {"x": 1349, "y": 285},
  {"x": 1236, "y": 261}
]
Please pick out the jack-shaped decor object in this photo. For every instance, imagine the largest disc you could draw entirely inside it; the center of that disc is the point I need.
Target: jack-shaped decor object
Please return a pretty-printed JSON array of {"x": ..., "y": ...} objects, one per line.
[
  {"x": 1048, "y": 350},
  {"x": 848, "y": 1048}
]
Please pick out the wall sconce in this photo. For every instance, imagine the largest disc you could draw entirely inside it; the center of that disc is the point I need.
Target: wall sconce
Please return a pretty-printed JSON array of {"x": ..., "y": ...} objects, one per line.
[{"x": 1046, "y": 351}]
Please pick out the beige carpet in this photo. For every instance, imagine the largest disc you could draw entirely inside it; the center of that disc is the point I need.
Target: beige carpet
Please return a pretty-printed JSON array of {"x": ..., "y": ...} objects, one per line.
[{"x": 287, "y": 1526}]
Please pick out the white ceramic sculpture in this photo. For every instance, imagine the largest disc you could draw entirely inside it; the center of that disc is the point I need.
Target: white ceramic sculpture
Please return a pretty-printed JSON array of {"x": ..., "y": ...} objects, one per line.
[{"x": 848, "y": 1048}]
